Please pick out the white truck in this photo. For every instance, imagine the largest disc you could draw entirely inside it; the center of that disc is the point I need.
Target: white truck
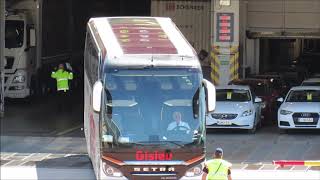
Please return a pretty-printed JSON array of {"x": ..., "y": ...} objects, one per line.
[
  {"x": 20, "y": 52},
  {"x": 37, "y": 38}
]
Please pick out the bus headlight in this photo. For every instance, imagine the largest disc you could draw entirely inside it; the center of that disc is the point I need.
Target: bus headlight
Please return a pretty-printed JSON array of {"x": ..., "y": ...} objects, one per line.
[
  {"x": 111, "y": 171},
  {"x": 18, "y": 79},
  {"x": 194, "y": 171}
]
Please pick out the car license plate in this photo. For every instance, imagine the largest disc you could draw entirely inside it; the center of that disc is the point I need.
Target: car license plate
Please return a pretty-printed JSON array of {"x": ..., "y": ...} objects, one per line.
[
  {"x": 223, "y": 122},
  {"x": 305, "y": 120}
]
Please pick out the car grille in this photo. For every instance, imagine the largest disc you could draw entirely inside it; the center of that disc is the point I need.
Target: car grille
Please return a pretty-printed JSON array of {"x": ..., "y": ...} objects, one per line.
[
  {"x": 223, "y": 116},
  {"x": 296, "y": 117},
  {"x": 10, "y": 61}
]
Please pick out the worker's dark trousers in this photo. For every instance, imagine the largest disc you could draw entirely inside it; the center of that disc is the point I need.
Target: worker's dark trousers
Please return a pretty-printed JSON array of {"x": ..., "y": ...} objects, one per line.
[{"x": 63, "y": 101}]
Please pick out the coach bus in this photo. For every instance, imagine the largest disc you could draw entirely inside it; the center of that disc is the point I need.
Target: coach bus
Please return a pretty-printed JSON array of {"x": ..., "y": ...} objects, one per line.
[{"x": 145, "y": 100}]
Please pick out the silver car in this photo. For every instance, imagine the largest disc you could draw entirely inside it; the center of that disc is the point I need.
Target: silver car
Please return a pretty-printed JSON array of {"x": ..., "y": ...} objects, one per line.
[{"x": 236, "y": 107}]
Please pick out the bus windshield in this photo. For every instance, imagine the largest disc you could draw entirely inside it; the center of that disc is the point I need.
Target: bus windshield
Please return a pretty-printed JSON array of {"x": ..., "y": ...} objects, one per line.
[{"x": 152, "y": 107}]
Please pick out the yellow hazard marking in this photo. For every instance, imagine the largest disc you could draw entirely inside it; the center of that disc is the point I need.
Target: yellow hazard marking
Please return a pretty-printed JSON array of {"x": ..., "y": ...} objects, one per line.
[
  {"x": 234, "y": 66},
  {"x": 234, "y": 49},
  {"x": 312, "y": 163}
]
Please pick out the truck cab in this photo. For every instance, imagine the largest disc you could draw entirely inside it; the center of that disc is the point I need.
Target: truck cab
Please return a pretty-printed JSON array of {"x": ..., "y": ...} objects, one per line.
[{"x": 20, "y": 54}]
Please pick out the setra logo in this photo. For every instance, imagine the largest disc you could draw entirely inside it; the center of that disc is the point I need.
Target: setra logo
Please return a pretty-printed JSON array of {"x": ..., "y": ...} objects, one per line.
[{"x": 153, "y": 156}]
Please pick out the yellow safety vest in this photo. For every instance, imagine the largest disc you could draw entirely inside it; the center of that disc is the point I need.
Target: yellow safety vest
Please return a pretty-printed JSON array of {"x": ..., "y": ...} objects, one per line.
[
  {"x": 218, "y": 169},
  {"x": 62, "y": 78}
]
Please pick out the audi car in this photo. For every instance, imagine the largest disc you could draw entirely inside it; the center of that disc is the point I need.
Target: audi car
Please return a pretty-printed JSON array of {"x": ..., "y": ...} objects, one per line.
[
  {"x": 236, "y": 107},
  {"x": 300, "y": 108},
  {"x": 311, "y": 82}
]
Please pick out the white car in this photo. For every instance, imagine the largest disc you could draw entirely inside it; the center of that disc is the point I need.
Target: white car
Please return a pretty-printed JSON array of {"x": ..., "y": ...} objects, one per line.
[
  {"x": 300, "y": 109},
  {"x": 236, "y": 107},
  {"x": 311, "y": 82}
]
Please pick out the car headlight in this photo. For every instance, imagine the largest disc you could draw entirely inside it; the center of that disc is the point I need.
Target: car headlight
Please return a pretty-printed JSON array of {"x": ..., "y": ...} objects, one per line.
[
  {"x": 194, "y": 171},
  {"x": 285, "y": 112},
  {"x": 247, "y": 113},
  {"x": 111, "y": 171},
  {"x": 18, "y": 79}
]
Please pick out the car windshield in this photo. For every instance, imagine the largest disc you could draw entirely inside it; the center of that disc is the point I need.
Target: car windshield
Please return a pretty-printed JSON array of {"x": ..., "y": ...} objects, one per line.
[
  {"x": 14, "y": 34},
  {"x": 147, "y": 106},
  {"x": 260, "y": 89},
  {"x": 310, "y": 84},
  {"x": 303, "y": 96},
  {"x": 237, "y": 95}
]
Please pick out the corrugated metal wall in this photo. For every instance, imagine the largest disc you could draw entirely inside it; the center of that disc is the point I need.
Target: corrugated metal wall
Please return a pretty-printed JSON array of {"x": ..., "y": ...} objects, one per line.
[
  {"x": 191, "y": 16},
  {"x": 297, "y": 16}
]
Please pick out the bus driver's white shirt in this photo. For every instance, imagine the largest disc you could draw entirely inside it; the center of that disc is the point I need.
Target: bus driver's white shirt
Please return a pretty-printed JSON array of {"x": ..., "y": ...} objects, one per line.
[{"x": 174, "y": 125}]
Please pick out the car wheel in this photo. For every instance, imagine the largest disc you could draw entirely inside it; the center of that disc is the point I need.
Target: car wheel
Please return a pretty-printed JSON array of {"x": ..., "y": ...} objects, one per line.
[{"x": 254, "y": 128}]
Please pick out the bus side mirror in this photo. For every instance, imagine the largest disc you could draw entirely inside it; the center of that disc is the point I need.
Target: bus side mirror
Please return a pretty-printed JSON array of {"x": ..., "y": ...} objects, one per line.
[
  {"x": 211, "y": 95},
  {"x": 96, "y": 96},
  {"x": 32, "y": 36}
]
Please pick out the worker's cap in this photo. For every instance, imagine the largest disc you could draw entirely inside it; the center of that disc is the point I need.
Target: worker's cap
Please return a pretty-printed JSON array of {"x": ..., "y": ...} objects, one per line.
[{"x": 219, "y": 151}]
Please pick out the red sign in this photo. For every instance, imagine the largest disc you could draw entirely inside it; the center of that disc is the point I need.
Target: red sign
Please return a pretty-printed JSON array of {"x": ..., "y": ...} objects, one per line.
[
  {"x": 141, "y": 36},
  {"x": 225, "y": 27},
  {"x": 153, "y": 156}
]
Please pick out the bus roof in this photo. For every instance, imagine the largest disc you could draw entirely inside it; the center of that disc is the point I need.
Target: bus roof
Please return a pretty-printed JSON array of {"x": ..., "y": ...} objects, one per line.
[{"x": 140, "y": 41}]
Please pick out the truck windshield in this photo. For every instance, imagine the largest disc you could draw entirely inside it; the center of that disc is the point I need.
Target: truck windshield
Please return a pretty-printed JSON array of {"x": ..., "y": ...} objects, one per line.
[
  {"x": 152, "y": 107},
  {"x": 14, "y": 34},
  {"x": 237, "y": 95}
]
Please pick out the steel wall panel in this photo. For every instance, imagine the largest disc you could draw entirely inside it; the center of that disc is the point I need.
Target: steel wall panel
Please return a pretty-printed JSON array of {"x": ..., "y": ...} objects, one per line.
[
  {"x": 309, "y": 6},
  {"x": 303, "y": 21},
  {"x": 265, "y": 20},
  {"x": 294, "y": 16},
  {"x": 191, "y": 17},
  {"x": 265, "y": 5}
]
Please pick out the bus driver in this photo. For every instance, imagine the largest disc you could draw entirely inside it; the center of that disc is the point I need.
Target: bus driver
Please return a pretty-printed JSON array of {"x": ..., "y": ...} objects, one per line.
[{"x": 178, "y": 124}]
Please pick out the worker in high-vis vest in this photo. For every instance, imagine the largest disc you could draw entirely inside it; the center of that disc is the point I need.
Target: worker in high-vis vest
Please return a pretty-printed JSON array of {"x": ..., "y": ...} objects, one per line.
[
  {"x": 62, "y": 77},
  {"x": 217, "y": 168}
]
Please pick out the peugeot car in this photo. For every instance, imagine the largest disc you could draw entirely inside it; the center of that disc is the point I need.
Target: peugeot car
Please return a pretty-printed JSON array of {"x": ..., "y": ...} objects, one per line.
[
  {"x": 236, "y": 108},
  {"x": 300, "y": 109}
]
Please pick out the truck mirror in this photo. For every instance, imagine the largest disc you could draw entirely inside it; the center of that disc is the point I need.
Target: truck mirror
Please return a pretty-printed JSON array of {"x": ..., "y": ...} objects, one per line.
[
  {"x": 32, "y": 36},
  {"x": 96, "y": 96},
  {"x": 211, "y": 95}
]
